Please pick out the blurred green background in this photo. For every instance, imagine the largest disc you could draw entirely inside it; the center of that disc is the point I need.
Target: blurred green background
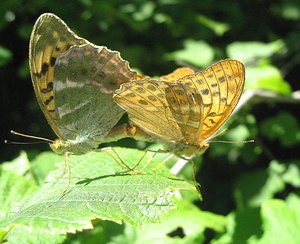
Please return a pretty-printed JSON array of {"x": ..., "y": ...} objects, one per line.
[{"x": 158, "y": 36}]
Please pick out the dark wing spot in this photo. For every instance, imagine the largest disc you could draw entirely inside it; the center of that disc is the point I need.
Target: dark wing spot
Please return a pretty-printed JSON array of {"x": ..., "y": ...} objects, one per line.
[
  {"x": 152, "y": 98},
  {"x": 140, "y": 90},
  {"x": 210, "y": 76},
  {"x": 212, "y": 121},
  {"x": 207, "y": 125},
  {"x": 212, "y": 114},
  {"x": 160, "y": 95},
  {"x": 168, "y": 89},
  {"x": 223, "y": 100},
  {"x": 57, "y": 49},
  {"x": 38, "y": 75},
  {"x": 221, "y": 79},
  {"x": 199, "y": 81},
  {"x": 151, "y": 87},
  {"x": 46, "y": 102},
  {"x": 172, "y": 100},
  {"x": 143, "y": 102},
  {"x": 130, "y": 95},
  {"x": 51, "y": 110},
  {"x": 214, "y": 85},
  {"x": 179, "y": 92},
  {"x": 207, "y": 105},
  {"x": 45, "y": 68},
  {"x": 52, "y": 61},
  {"x": 48, "y": 88},
  {"x": 205, "y": 91}
]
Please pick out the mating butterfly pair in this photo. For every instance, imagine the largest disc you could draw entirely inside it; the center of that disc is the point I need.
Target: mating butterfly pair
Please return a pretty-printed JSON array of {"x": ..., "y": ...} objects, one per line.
[{"x": 77, "y": 85}]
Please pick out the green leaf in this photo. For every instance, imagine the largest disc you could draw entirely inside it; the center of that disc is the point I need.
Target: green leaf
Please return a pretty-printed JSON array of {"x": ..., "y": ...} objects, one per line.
[
  {"x": 241, "y": 226},
  {"x": 266, "y": 77},
  {"x": 43, "y": 164},
  {"x": 186, "y": 224},
  {"x": 252, "y": 193},
  {"x": 218, "y": 28},
  {"x": 250, "y": 51},
  {"x": 18, "y": 166},
  {"x": 283, "y": 127},
  {"x": 197, "y": 53},
  {"x": 280, "y": 223},
  {"x": 100, "y": 188},
  {"x": 14, "y": 182},
  {"x": 21, "y": 234}
]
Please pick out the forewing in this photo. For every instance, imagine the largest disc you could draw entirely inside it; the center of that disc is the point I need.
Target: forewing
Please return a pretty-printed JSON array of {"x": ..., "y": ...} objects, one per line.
[
  {"x": 220, "y": 86},
  {"x": 85, "y": 79},
  {"x": 50, "y": 38}
]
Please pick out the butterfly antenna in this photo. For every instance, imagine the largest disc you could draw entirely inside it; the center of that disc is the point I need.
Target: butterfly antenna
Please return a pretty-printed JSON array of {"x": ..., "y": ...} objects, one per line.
[
  {"x": 28, "y": 136},
  {"x": 234, "y": 142},
  {"x": 21, "y": 143}
]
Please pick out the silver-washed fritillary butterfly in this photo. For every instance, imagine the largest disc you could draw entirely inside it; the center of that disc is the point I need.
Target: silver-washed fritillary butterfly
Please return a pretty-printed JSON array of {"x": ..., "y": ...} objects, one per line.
[
  {"x": 185, "y": 108},
  {"x": 74, "y": 81}
]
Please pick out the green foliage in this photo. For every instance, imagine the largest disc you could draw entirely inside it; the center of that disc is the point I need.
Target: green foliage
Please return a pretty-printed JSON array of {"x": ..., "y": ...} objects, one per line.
[
  {"x": 99, "y": 188},
  {"x": 250, "y": 191}
]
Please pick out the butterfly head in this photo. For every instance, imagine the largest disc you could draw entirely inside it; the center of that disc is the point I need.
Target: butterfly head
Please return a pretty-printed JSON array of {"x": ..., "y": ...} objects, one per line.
[
  {"x": 59, "y": 146},
  {"x": 77, "y": 147}
]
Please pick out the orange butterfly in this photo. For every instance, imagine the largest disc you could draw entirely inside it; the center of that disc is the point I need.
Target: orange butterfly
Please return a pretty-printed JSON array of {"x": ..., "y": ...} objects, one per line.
[{"x": 185, "y": 108}]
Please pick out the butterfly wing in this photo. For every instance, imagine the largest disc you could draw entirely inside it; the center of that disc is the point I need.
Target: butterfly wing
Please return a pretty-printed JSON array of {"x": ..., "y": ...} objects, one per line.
[
  {"x": 85, "y": 78},
  {"x": 220, "y": 86},
  {"x": 74, "y": 80},
  {"x": 177, "y": 74},
  {"x": 170, "y": 111},
  {"x": 49, "y": 39}
]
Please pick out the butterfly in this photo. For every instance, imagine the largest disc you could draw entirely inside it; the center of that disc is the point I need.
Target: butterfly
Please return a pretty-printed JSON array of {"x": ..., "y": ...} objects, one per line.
[
  {"x": 74, "y": 81},
  {"x": 185, "y": 108}
]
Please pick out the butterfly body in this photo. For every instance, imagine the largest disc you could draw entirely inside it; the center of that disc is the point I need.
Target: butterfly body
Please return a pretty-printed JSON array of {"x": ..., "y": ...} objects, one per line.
[
  {"x": 74, "y": 81},
  {"x": 186, "y": 149},
  {"x": 185, "y": 108}
]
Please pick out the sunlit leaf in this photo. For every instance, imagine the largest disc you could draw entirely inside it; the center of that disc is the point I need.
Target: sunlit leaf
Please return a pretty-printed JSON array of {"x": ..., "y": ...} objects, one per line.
[
  {"x": 100, "y": 188},
  {"x": 253, "y": 51},
  {"x": 266, "y": 77},
  {"x": 197, "y": 53}
]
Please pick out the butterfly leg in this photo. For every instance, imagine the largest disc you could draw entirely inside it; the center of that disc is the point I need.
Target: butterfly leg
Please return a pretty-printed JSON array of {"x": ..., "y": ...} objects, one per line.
[
  {"x": 67, "y": 169},
  {"x": 194, "y": 178},
  {"x": 163, "y": 162},
  {"x": 118, "y": 158}
]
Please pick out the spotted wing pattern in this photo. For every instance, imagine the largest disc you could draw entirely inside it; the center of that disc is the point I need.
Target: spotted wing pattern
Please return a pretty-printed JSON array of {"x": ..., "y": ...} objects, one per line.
[
  {"x": 220, "y": 86},
  {"x": 50, "y": 38},
  {"x": 166, "y": 110},
  {"x": 188, "y": 109}
]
